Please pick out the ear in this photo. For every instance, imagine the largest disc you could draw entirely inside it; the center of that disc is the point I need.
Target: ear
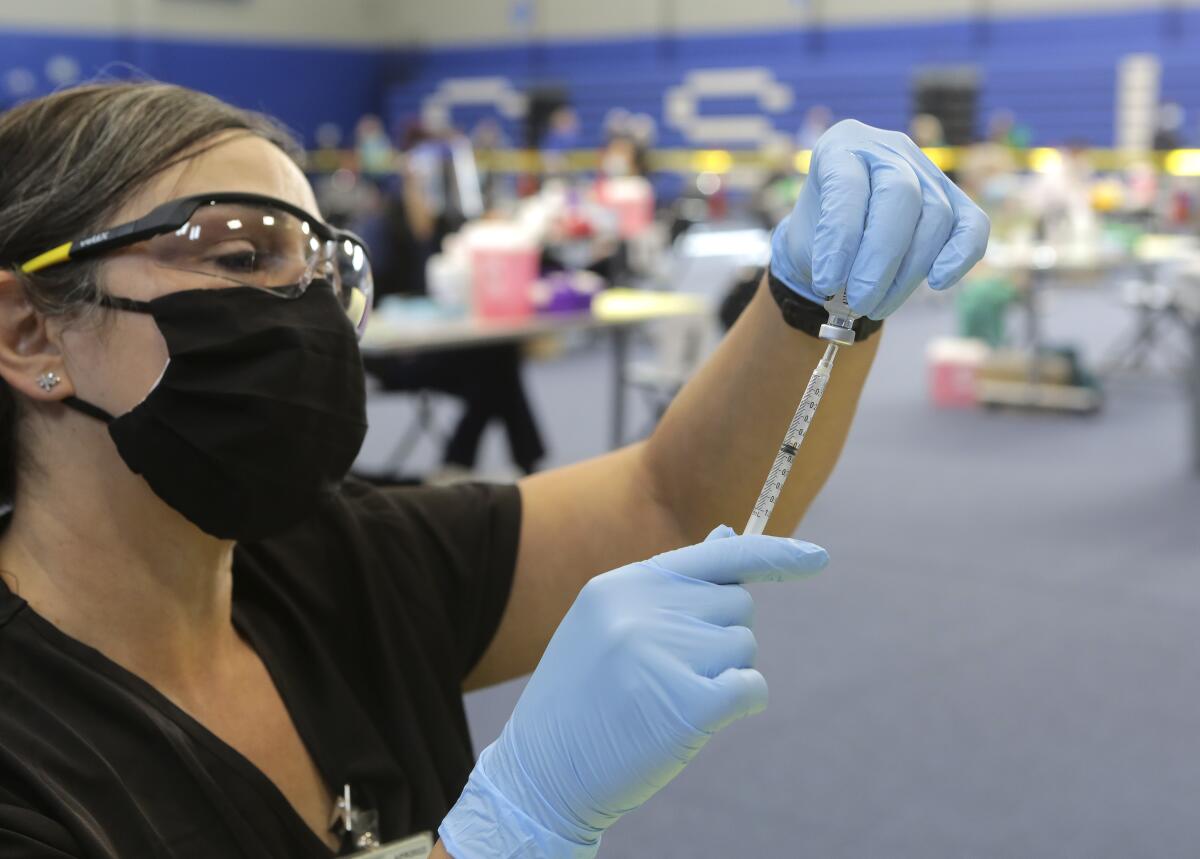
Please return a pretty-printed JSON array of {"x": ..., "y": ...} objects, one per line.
[{"x": 28, "y": 349}]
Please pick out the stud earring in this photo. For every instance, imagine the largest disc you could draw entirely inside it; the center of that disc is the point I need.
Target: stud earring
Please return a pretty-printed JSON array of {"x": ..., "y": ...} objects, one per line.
[{"x": 47, "y": 381}]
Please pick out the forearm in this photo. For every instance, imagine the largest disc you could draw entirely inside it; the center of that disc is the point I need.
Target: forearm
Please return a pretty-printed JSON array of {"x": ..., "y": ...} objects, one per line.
[
  {"x": 439, "y": 852},
  {"x": 712, "y": 450},
  {"x": 576, "y": 522},
  {"x": 702, "y": 467}
]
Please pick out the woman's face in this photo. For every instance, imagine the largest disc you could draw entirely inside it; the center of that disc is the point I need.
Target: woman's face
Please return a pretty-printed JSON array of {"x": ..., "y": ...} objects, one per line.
[{"x": 116, "y": 363}]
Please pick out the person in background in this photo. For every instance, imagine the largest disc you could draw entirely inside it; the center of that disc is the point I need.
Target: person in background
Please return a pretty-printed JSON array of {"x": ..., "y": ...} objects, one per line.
[
  {"x": 990, "y": 159},
  {"x": 488, "y": 140},
  {"x": 402, "y": 232},
  {"x": 644, "y": 131},
  {"x": 615, "y": 122},
  {"x": 628, "y": 139},
  {"x": 489, "y": 382},
  {"x": 373, "y": 147},
  {"x": 781, "y": 183},
  {"x": 816, "y": 122},
  {"x": 926, "y": 131},
  {"x": 562, "y": 131},
  {"x": 328, "y": 155},
  {"x": 561, "y": 136},
  {"x": 211, "y": 643},
  {"x": 1168, "y": 132},
  {"x": 1060, "y": 197},
  {"x": 487, "y": 379},
  {"x": 619, "y": 157}
]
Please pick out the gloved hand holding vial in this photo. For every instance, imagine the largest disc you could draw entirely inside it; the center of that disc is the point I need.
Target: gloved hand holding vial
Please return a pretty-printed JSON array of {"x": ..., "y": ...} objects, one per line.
[{"x": 828, "y": 253}]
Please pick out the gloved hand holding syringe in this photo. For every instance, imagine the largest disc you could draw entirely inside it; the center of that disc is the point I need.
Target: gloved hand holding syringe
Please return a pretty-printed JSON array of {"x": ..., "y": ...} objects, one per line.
[{"x": 838, "y": 331}]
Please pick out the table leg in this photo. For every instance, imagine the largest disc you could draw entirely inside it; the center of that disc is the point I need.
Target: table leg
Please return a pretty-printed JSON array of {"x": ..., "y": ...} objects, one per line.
[
  {"x": 620, "y": 342},
  {"x": 1033, "y": 329},
  {"x": 1194, "y": 385}
]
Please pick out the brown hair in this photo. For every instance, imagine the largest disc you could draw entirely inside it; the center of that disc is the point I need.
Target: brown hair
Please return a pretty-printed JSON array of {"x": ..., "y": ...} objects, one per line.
[{"x": 67, "y": 163}]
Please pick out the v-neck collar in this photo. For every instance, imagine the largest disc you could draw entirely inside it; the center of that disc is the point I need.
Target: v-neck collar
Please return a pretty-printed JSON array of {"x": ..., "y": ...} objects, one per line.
[{"x": 238, "y": 762}]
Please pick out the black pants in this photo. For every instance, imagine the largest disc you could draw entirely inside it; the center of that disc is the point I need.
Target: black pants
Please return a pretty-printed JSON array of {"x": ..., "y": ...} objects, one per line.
[{"x": 488, "y": 380}]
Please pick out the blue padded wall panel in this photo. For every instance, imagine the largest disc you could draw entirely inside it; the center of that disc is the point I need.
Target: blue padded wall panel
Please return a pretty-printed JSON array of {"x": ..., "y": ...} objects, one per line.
[
  {"x": 302, "y": 85},
  {"x": 1057, "y": 74}
]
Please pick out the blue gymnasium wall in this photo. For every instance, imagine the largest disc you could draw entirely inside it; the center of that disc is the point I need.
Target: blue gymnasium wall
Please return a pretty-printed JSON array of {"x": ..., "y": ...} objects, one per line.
[
  {"x": 1057, "y": 74},
  {"x": 302, "y": 85}
]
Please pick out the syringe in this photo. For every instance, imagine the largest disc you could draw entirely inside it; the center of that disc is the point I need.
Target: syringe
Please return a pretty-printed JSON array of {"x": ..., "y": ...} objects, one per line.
[{"x": 838, "y": 331}]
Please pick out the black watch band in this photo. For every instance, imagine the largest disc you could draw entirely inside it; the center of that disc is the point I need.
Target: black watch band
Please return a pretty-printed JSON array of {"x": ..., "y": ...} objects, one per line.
[{"x": 808, "y": 316}]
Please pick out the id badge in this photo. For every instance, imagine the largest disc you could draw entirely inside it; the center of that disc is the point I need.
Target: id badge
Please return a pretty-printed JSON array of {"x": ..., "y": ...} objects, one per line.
[{"x": 413, "y": 847}]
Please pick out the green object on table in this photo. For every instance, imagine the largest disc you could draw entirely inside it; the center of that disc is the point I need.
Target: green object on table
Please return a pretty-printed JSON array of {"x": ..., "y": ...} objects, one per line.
[
  {"x": 982, "y": 305},
  {"x": 1124, "y": 236}
]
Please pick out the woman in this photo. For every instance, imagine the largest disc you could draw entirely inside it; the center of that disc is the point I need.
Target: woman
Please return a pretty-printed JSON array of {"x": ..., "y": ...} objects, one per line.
[{"x": 210, "y": 645}]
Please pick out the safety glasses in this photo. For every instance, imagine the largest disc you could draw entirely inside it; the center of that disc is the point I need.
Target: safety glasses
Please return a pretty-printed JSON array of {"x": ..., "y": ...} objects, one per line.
[{"x": 235, "y": 239}]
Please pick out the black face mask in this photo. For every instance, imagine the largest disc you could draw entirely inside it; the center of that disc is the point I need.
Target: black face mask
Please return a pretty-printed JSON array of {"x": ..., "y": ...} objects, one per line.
[{"x": 259, "y": 414}]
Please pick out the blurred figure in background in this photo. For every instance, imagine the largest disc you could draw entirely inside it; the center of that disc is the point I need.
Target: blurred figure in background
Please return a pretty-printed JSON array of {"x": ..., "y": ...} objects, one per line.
[
  {"x": 419, "y": 210},
  {"x": 628, "y": 139},
  {"x": 780, "y": 188},
  {"x": 402, "y": 232},
  {"x": 562, "y": 132},
  {"x": 817, "y": 120},
  {"x": 562, "y": 135},
  {"x": 345, "y": 198},
  {"x": 991, "y": 159},
  {"x": 1169, "y": 131},
  {"x": 488, "y": 136},
  {"x": 1061, "y": 197},
  {"x": 488, "y": 381},
  {"x": 616, "y": 123},
  {"x": 926, "y": 131},
  {"x": 328, "y": 155},
  {"x": 374, "y": 147},
  {"x": 620, "y": 157},
  {"x": 488, "y": 139},
  {"x": 440, "y": 164},
  {"x": 643, "y": 131}
]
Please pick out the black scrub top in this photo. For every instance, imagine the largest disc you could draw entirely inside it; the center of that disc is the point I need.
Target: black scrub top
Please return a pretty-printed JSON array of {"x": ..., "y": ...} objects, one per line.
[{"x": 367, "y": 617}]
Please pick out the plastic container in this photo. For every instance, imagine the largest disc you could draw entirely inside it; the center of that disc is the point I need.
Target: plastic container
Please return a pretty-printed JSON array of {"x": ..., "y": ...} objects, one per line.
[
  {"x": 631, "y": 198},
  {"x": 504, "y": 266},
  {"x": 954, "y": 364},
  {"x": 448, "y": 277},
  {"x": 567, "y": 291}
]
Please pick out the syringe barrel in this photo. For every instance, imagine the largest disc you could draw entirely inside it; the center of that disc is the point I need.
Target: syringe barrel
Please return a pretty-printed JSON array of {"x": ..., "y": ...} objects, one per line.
[
  {"x": 797, "y": 429},
  {"x": 838, "y": 331}
]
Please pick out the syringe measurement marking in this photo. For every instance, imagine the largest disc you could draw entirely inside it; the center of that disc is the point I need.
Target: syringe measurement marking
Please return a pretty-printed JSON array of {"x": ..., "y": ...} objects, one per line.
[
  {"x": 792, "y": 439},
  {"x": 781, "y": 467}
]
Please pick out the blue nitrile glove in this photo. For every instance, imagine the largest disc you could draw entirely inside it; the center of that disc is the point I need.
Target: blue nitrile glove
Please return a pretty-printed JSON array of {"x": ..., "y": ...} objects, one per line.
[
  {"x": 876, "y": 216},
  {"x": 651, "y": 661}
]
